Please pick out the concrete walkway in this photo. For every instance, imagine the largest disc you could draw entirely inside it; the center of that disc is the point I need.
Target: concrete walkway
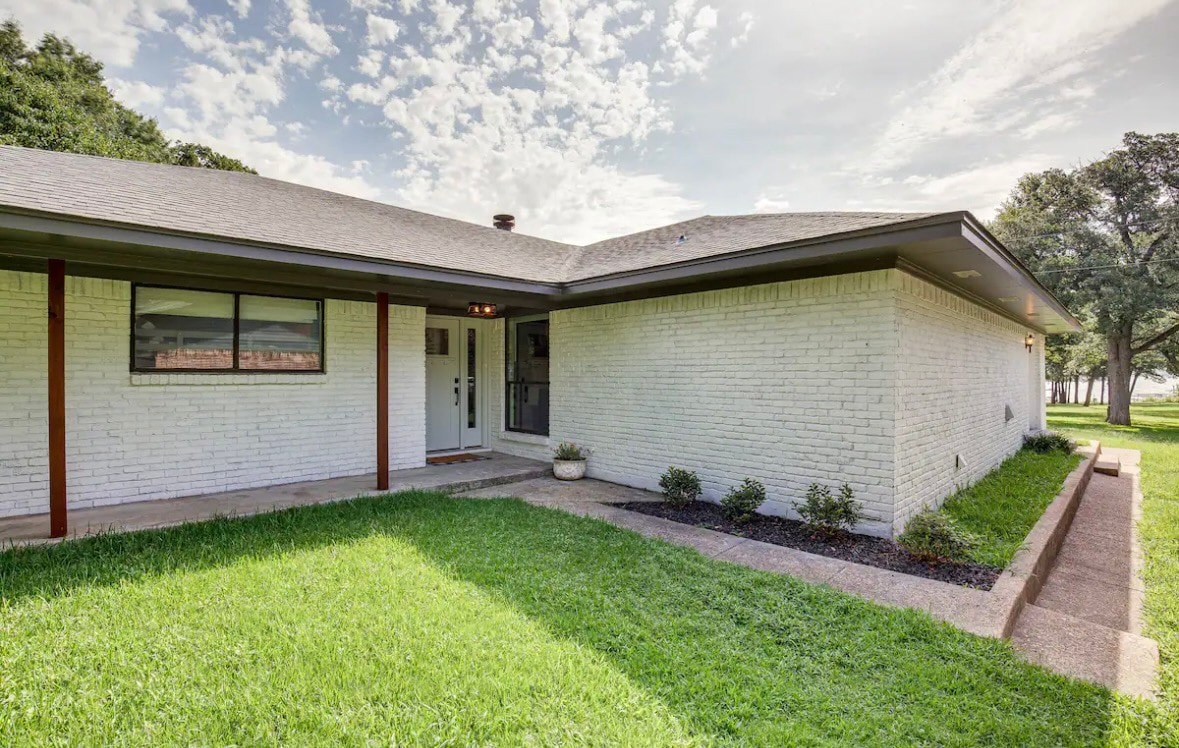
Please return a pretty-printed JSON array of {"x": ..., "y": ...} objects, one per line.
[
  {"x": 497, "y": 469},
  {"x": 1086, "y": 621}
]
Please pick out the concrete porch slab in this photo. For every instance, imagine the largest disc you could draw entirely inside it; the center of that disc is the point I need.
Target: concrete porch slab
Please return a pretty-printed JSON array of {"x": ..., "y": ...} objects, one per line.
[{"x": 497, "y": 469}]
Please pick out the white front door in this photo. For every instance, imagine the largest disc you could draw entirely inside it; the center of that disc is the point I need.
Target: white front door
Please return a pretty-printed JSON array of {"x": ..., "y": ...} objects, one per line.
[{"x": 443, "y": 390}]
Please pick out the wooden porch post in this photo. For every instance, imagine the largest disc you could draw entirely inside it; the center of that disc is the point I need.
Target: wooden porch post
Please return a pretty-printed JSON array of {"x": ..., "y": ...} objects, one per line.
[
  {"x": 382, "y": 391},
  {"x": 57, "y": 435}
]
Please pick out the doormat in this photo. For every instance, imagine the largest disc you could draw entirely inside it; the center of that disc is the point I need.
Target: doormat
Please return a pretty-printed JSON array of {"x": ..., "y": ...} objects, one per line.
[{"x": 452, "y": 459}]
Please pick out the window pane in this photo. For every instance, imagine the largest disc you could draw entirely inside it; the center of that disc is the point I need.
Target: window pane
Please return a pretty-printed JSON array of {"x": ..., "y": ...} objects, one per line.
[
  {"x": 472, "y": 367},
  {"x": 437, "y": 341},
  {"x": 528, "y": 376},
  {"x": 182, "y": 329},
  {"x": 282, "y": 334}
]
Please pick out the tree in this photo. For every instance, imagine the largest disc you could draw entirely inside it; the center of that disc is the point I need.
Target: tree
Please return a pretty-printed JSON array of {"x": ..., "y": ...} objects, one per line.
[
  {"x": 1105, "y": 238},
  {"x": 54, "y": 97}
]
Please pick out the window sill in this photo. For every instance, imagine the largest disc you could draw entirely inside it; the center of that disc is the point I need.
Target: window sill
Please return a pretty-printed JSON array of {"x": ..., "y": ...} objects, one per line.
[
  {"x": 520, "y": 437},
  {"x": 145, "y": 379}
]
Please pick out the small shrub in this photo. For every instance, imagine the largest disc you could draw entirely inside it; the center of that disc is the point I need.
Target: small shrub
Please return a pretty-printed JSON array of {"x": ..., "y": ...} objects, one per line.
[
  {"x": 932, "y": 535},
  {"x": 742, "y": 501},
  {"x": 828, "y": 513},
  {"x": 568, "y": 451},
  {"x": 1048, "y": 441},
  {"x": 679, "y": 486}
]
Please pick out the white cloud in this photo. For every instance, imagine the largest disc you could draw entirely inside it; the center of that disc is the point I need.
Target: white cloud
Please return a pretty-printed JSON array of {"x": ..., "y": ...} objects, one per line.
[
  {"x": 381, "y": 30},
  {"x": 307, "y": 27},
  {"x": 1053, "y": 122},
  {"x": 531, "y": 121},
  {"x": 687, "y": 37},
  {"x": 135, "y": 94},
  {"x": 980, "y": 187},
  {"x": 108, "y": 29},
  {"x": 772, "y": 200},
  {"x": 369, "y": 64},
  {"x": 1034, "y": 45},
  {"x": 746, "y": 22},
  {"x": 446, "y": 17},
  {"x": 241, "y": 7}
]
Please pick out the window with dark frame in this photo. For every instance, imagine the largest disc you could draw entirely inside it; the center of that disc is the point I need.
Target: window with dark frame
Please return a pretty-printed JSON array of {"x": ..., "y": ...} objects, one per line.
[
  {"x": 527, "y": 376},
  {"x": 180, "y": 329}
]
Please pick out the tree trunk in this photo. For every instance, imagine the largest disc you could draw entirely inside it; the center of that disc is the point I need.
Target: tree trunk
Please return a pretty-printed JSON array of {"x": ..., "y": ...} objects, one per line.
[
  {"x": 1133, "y": 384},
  {"x": 1120, "y": 357},
  {"x": 1077, "y": 390},
  {"x": 1101, "y": 398},
  {"x": 1089, "y": 393}
]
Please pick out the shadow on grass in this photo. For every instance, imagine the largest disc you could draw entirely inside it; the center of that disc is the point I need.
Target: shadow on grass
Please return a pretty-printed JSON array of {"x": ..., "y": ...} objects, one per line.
[{"x": 737, "y": 655}]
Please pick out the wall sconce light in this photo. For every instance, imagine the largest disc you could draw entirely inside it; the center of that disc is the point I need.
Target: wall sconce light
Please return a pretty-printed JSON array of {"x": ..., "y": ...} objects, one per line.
[
  {"x": 480, "y": 309},
  {"x": 1029, "y": 342}
]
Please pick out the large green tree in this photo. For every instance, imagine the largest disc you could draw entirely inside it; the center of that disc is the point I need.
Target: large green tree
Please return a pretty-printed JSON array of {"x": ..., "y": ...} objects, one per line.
[
  {"x": 54, "y": 97},
  {"x": 1104, "y": 236}
]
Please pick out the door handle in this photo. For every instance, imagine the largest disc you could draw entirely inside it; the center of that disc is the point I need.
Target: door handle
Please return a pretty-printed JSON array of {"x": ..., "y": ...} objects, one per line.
[{"x": 456, "y": 396}]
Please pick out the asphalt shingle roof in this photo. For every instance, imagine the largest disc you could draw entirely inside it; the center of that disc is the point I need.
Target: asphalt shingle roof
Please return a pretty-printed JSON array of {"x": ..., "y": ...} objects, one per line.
[
  {"x": 710, "y": 236},
  {"x": 252, "y": 209}
]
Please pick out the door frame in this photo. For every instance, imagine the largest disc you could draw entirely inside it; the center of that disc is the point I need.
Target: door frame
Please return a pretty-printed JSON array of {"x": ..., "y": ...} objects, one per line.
[{"x": 478, "y": 436}]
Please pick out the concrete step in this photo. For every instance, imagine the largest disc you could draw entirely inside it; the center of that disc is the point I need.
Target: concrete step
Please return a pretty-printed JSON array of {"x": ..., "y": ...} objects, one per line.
[
  {"x": 1107, "y": 465},
  {"x": 1082, "y": 649}
]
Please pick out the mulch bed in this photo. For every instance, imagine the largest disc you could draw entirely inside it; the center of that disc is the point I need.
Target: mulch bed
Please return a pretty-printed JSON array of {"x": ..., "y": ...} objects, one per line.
[{"x": 860, "y": 549}]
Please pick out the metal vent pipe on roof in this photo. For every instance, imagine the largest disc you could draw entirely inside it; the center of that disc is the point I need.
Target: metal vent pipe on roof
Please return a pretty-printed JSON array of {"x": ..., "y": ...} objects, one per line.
[{"x": 504, "y": 221}]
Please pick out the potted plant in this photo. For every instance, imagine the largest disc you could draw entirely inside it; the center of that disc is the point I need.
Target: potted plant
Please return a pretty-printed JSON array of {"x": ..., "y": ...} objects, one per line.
[{"x": 569, "y": 461}]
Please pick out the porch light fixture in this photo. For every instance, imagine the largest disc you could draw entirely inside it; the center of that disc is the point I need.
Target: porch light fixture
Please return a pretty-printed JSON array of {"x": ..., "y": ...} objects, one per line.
[
  {"x": 1029, "y": 342},
  {"x": 480, "y": 309}
]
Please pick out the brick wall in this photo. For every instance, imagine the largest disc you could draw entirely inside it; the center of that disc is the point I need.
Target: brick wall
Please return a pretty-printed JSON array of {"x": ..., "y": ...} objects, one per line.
[
  {"x": 24, "y": 461},
  {"x": 788, "y": 383},
  {"x": 133, "y": 437},
  {"x": 960, "y": 367}
]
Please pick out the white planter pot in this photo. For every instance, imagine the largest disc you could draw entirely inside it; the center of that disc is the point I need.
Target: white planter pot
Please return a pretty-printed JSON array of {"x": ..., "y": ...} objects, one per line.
[{"x": 569, "y": 469}]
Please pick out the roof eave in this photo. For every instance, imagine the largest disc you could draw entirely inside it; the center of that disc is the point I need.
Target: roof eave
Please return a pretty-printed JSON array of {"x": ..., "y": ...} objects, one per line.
[{"x": 79, "y": 228}]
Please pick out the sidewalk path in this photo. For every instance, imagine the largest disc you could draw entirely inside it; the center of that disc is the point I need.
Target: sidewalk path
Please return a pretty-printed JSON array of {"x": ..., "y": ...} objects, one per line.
[{"x": 1086, "y": 621}]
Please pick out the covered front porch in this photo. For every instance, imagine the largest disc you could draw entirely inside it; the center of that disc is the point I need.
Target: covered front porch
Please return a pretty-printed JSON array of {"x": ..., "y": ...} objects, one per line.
[
  {"x": 490, "y": 469},
  {"x": 145, "y": 384}
]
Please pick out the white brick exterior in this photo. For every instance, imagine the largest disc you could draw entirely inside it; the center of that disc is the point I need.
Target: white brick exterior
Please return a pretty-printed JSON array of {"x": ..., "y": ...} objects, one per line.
[
  {"x": 788, "y": 383},
  {"x": 133, "y": 437},
  {"x": 960, "y": 368},
  {"x": 878, "y": 379}
]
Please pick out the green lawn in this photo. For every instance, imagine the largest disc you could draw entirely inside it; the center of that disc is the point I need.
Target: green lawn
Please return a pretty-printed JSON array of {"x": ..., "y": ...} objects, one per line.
[
  {"x": 1001, "y": 509},
  {"x": 420, "y": 619},
  {"x": 1156, "y": 433}
]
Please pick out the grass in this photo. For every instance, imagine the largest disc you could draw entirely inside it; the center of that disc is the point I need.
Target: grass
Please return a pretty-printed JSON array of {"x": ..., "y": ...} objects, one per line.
[
  {"x": 1001, "y": 509},
  {"x": 1156, "y": 433},
  {"x": 418, "y": 619}
]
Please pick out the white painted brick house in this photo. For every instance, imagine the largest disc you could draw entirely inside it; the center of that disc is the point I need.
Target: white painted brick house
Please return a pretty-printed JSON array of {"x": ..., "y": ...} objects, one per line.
[{"x": 211, "y": 331}]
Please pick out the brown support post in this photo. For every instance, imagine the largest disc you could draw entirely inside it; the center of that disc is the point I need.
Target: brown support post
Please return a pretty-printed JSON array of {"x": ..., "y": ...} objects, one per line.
[
  {"x": 57, "y": 436},
  {"x": 382, "y": 391}
]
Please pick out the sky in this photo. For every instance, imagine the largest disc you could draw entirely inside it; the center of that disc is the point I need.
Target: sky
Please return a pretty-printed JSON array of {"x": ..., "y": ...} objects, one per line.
[{"x": 589, "y": 119}]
